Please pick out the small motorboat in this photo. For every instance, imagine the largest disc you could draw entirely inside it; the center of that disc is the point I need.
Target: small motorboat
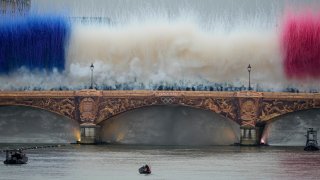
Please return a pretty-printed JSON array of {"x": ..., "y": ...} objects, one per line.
[
  {"x": 311, "y": 144},
  {"x": 15, "y": 157},
  {"x": 145, "y": 169}
]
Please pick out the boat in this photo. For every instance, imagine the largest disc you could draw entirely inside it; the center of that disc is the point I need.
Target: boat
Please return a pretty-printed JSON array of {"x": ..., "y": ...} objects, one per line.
[
  {"x": 15, "y": 157},
  {"x": 145, "y": 169},
  {"x": 311, "y": 144}
]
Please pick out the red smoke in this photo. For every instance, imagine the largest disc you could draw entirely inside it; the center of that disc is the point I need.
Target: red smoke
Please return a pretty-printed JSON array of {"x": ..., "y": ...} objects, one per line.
[{"x": 300, "y": 42}]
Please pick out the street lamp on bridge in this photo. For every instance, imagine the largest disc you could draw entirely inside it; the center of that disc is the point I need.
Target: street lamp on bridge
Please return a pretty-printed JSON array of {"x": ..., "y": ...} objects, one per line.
[
  {"x": 249, "y": 70},
  {"x": 91, "y": 67}
]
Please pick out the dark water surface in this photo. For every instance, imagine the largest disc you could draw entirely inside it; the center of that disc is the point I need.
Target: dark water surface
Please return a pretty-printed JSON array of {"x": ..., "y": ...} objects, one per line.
[{"x": 167, "y": 162}]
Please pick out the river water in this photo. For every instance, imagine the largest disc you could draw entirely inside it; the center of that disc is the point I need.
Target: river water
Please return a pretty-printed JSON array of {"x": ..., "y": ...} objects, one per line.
[{"x": 167, "y": 162}]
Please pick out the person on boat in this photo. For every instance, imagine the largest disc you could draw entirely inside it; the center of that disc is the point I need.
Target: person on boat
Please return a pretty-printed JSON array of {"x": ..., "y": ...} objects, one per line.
[
  {"x": 147, "y": 168},
  {"x": 7, "y": 154}
]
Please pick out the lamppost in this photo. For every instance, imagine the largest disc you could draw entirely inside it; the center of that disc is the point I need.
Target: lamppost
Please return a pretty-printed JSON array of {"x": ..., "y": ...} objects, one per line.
[
  {"x": 91, "y": 67},
  {"x": 249, "y": 70}
]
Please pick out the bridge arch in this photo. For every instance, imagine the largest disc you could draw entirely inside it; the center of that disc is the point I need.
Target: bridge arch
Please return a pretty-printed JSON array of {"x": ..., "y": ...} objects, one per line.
[
  {"x": 100, "y": 120},
  {"x": 41, "y": 108},
  {"x": 63, "y": 106},
  {"x": 110, "y": 107},
  {"x": 290, "y": 128},
  {"x": 27, "y": 124},
  {"x": 280, "y": 116},
  {"x": 170, "y": 125},
  {"x": 271, "y": 109}
]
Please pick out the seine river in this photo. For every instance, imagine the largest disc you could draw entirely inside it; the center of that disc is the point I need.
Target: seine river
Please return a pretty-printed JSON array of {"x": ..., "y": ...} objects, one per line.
[{"x": 167, "y": 162}]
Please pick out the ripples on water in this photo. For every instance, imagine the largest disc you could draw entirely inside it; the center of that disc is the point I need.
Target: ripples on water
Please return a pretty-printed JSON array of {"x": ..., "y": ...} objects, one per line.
[{"x": 167, "y": 162}]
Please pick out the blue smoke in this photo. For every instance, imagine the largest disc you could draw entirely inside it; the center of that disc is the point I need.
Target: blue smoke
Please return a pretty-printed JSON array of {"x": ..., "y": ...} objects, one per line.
[{"x": 33, "y": 42}]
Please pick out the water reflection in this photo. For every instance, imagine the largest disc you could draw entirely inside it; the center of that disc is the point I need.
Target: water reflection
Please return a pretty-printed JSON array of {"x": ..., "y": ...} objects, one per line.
[{"x": 167, "y": 162}]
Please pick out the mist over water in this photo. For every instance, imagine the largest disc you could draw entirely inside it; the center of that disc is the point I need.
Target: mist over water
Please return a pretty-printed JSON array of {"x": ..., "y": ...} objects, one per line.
[
  {"x": 290, "y": 129},
  {"x": 29, "y": 125},
  {"x": 170, "y": 125}
]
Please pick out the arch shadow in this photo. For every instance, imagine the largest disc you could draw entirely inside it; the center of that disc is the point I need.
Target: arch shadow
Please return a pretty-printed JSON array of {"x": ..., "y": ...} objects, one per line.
[
  {"x": 39, "y": 108},
  {"x": 290, "y": 128},
  {"x": 109, "y": 116},
  {"x": 28, "y": 124},
  {"x": 170, "y": 124}
]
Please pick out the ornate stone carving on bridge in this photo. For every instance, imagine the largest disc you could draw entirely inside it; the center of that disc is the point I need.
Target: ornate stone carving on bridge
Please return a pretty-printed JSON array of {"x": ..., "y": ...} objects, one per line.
[
  {"x": 110, "y": 106},
  {"x": 274, "y": 108},
  {"x": 88, "y": 110},
  {"x": 93, "y": 106},
  {"x": 224, "y": 106},
  {"x": 249, "y": 108},
  {"x": 168, "y": 100},
  {"x": 62, "y": 106}
]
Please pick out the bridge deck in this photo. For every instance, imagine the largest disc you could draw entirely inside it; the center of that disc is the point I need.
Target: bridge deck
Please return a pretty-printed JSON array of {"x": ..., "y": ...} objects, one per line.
[{"x": 124, "y": 93}]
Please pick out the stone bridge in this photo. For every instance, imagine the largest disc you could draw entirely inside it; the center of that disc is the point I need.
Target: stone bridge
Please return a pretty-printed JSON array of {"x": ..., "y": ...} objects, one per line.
[{"x": 91, "y": 107}]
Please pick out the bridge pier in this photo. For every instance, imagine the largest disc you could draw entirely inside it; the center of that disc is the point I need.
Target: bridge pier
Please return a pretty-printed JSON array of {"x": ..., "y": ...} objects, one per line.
[
  {"x": 89, "y": 134},
  {"x": 249, "y": 136}
]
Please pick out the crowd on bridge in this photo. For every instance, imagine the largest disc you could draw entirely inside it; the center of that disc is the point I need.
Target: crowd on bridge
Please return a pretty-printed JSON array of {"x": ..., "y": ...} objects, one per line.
[{"x": 171, "y": 87}]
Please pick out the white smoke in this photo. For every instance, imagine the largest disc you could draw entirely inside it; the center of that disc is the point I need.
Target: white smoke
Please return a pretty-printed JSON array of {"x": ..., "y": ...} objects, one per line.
[
  {"x": 180, "y": 43},
  {"x": 173, "y": 52}
]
